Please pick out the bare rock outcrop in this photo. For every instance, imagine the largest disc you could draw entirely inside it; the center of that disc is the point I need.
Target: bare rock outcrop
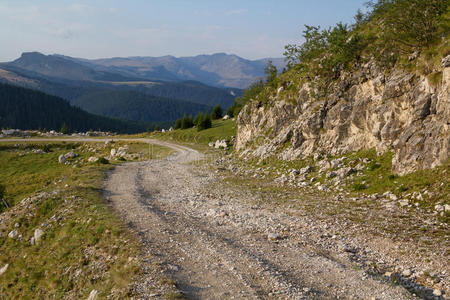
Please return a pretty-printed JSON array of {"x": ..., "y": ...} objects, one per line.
[{"x": 401, "y": 112}]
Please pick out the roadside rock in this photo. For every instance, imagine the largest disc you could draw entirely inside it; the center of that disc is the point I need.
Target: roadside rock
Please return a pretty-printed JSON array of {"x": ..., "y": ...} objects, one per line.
[{"x": 401, "y": 112}]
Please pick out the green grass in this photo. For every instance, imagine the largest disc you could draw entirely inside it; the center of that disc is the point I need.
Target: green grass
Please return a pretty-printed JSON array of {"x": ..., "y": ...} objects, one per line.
[
  {"x": 220, "y": 130},
  {"x": 88, "y": 238}
]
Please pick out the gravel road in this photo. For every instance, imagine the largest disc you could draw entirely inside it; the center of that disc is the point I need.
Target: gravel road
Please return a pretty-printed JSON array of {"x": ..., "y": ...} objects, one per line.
[{"x": 217, "y": 246}]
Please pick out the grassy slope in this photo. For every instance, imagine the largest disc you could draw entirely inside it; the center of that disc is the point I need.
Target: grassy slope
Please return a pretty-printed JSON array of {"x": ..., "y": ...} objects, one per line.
[
  {"x": 220, "y": 130},
  {"x": 88, "y": 248}
]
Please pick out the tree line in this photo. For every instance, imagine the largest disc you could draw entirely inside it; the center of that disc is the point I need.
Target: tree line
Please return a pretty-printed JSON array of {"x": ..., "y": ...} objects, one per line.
[
  {"x": 23, "y": 108},
  {"x": 201, "y": 121}
]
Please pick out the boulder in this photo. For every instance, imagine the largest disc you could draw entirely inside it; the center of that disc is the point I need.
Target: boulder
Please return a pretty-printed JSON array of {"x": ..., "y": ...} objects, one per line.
[{"x": 113, "y": 152}]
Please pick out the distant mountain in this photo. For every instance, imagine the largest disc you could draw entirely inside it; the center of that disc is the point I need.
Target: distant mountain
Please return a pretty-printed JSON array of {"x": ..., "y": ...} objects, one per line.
[
  {"x": 28, "y": 109},
  {"x": 70, "y": 78},
  {"x": 59, "y": 67},
  {"x": 220, "y": 69}
]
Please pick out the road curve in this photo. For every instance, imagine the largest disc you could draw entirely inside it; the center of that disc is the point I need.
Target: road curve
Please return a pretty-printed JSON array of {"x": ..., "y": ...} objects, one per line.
[{"x": 216, "y": 246}]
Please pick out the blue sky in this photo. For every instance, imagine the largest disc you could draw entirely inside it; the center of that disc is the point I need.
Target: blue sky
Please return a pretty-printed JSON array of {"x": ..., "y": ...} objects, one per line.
[{"x": 108, "y": 28}]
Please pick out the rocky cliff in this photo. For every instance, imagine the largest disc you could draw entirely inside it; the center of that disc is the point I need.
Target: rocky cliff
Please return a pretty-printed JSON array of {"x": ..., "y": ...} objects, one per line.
[{"x": 403, "y": 112}]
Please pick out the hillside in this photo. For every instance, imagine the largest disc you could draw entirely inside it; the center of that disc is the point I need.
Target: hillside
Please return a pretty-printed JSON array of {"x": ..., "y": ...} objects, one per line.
[
  {"x": 27, "y": 109},
  {"x": 72, "y": 79},
  {"x": 137, "y": 106},
  {"x": 54, "y": 66},
  {"x": 368, "y": 85}
]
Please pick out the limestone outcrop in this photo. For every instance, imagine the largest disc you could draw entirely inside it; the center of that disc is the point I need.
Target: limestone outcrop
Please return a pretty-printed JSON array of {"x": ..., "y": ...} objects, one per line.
[{"x": 401, "y": 112}]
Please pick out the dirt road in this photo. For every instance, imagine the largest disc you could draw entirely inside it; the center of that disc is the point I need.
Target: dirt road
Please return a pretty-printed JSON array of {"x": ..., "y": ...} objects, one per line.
[{"x": 216, "y": 246}]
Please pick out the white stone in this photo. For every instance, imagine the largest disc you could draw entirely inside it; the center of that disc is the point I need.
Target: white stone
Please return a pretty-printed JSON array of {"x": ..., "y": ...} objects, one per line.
[
  {"x": 437, "y": 292},
  {"x": 92, "y": 159},
  {"x": 3, "y": 270},
  {"x": 393, "y": 197},
  {"x": 13, "y": 234},
  {"x": 38, "y": 233},
  {"x": 273, "y": 236},
  {"x": 93, "y": 295},
  {"x": 113, "y": 152},
  {"x": 71, "y": 154},
  {"x": 62, "y": 159},
  {"x": 438, "y": 207},
  {"x": 407, "y": 273},
  {"x": 403, "y": 203}
]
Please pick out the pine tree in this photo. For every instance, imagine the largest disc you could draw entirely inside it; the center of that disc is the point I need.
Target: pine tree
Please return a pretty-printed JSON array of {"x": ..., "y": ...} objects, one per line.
[
  {"x": 64, "y": 129},
  {"x": 217, "y": 112},
  {"x": 207, "y": 121},
  {"x": 230, "y": 111},
  {"x": 178, "y": 124},
  {"x": 185, "y": 123},
  {"x": 198, "y": 119}
]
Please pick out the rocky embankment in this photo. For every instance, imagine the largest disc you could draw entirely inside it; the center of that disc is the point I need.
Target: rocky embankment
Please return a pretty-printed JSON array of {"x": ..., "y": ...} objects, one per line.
[{"x": 404, "y": 112}]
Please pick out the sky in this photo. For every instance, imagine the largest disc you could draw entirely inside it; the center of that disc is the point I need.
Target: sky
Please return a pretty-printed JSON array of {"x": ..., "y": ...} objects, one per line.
[{"x": 252, "y": 29}]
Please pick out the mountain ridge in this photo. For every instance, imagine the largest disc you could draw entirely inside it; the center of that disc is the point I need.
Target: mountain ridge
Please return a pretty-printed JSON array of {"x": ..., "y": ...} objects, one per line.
[{"x": 218, "y": 69}]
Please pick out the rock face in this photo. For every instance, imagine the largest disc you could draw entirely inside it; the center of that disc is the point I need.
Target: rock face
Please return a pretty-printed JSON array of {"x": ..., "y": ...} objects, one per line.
[{"x": 400, "y": 112}]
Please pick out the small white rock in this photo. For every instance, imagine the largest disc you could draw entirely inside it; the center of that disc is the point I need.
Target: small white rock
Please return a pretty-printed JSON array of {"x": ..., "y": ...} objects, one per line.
[
  {"x": 62, "y": 159},
  {"x": 13, "y": 234},
  {"x": 437, "y": 292},
  {"x": 93, "y": 295},
  {"x": 3, "y": 270},
  {"x": 406, "y": 273},
  {"x": 273, "y": 236},
  {"x": 38, "y": 233}
]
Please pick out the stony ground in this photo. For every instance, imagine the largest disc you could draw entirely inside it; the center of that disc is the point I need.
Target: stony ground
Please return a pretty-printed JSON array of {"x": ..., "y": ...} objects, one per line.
[{"x": 216, "y": 242}]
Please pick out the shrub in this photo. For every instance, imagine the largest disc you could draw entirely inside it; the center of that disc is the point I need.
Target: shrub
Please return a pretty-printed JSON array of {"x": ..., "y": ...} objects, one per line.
[
  {"x": 103, "y": 160},
  {"x": 402, "y": 188},
  {"x": 359, "y": 187},
  {"x": 373, "y": 165},
  {"x": 2, "y": 191},
  {"x": 46, "y": 148}
]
